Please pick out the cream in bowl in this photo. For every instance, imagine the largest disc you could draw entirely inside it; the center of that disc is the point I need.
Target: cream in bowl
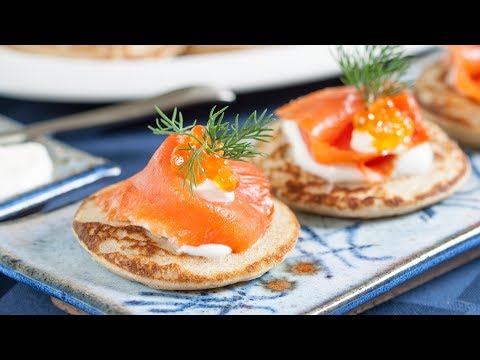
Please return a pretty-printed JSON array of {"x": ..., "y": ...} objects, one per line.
[{"x": 24, "y": 167}]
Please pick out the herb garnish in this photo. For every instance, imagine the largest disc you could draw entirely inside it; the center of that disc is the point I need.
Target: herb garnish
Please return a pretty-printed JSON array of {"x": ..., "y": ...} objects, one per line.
[
  {"x": 375, "y": 70},
  {"x": 232, "y": 141}
]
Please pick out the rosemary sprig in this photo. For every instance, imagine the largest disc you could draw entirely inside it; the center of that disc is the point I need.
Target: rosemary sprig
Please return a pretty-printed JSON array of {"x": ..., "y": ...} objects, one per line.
[
  {"x": 233, "y": 141},
  {"x": 375, "y": 70}
]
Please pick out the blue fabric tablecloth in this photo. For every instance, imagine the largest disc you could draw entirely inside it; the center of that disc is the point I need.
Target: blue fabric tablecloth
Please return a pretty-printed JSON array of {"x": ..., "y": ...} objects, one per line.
[{"x": 457, "y": 292}]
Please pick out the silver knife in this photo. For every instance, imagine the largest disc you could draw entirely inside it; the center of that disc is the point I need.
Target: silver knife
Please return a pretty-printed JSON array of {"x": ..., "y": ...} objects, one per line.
[{"x": 120, "y": 113}]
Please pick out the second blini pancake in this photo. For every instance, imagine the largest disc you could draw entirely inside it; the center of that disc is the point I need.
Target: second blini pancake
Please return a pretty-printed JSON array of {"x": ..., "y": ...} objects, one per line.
[{"x": 304, "y": 191}]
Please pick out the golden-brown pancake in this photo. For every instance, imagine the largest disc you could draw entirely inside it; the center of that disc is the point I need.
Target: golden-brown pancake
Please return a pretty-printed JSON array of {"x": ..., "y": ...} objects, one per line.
[
  {"x": 105, "y": 51},
  {"x": 457, "y": 114},
  {"x": 307, "y": 192},
  {"x": 134, "y": 253}
]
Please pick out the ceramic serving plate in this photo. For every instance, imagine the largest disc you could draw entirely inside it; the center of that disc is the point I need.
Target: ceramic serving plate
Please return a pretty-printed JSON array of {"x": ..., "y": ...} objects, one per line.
[
  {"x": 336, "y": 266},
  {"x": 72, "y": 170}
]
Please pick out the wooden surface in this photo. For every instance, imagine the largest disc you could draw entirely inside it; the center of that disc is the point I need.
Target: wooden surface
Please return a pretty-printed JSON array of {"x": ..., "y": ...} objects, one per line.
[{"x": 69, "y": 309}]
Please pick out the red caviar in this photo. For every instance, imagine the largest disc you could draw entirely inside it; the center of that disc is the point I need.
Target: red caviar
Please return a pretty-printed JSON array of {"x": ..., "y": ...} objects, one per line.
[
  {"x": 212, "y": 165},
  {"x": 386, "y": 123}
]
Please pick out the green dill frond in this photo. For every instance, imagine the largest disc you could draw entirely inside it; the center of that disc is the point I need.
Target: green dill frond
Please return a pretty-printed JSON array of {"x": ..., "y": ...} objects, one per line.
[
  {"x": 191, "y": 167},
  {"x": 375, "y": 70},
  {"x": 235, "y": 140}
]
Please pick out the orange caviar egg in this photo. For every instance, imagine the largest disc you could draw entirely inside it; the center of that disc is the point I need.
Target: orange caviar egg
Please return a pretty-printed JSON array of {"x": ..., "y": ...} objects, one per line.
[
  {"x": 199, "y": 132},
  {"x": 388, "y": 126},
  {"x": 212, "y": 166},
  {"x": 220, "y": 152},
  {"x": 179, "y": 157},
  {"x": 226, "y": 179}
]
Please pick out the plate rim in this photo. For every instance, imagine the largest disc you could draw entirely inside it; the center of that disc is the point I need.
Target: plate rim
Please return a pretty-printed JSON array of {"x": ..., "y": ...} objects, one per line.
[
  {"x": 49, "y": 290},
  {"x": 457, "y": 245}
]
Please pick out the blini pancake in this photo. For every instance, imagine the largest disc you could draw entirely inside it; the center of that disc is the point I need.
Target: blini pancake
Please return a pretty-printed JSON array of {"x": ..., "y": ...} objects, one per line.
[{"x": 133, "y": 253}]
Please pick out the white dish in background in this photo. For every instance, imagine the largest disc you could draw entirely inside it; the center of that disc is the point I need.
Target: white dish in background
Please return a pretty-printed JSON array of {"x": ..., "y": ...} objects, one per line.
[{"x": 41, "y": 77}]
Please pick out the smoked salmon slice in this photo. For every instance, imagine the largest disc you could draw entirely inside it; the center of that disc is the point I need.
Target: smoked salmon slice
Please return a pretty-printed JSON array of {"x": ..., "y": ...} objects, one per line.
[
  {"x": 156, "y": 199},
  {"x": 325, "y": 120},
  {"x": 466, "y": 69}
]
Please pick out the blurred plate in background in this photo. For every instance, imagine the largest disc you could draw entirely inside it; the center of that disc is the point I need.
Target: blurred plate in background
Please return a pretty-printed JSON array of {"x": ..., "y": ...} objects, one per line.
[{"x": 40, "y": 77}]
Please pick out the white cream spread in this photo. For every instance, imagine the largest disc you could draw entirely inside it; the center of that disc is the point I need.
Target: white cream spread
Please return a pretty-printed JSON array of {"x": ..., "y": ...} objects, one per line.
[
  {"x": 415, "y": 161},
  {"x": 170, "y": 243},
  {"x": 418, "y": 160},
  {"x": 206, "y": 250},
  {"x": 362, "y": 142},
  {"x": 209, "y": 190},
  {"x": 23, "y": 167}
]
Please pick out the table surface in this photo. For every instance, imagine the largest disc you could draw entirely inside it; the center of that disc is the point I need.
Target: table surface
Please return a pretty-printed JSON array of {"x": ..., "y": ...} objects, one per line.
[{"x": 457, "y": 292}]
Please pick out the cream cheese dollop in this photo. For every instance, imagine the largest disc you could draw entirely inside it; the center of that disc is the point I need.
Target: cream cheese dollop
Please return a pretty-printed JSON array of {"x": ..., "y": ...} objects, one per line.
[
  {"x": 209, "y": 191},
  {"x": 170, "y": 243},
  {"x": 206, "y": 250},
  {"x": 363, "y": 142},
  {"x": 414, "y": 161},
  {"x": 23, "y": 167}
]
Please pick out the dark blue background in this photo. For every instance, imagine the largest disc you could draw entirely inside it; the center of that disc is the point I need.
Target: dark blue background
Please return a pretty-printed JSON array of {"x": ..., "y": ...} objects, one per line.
[{"x": 457, "y": 292}]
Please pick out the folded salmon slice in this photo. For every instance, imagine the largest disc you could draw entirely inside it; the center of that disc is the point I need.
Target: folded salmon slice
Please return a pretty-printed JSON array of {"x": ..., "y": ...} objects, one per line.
[
  {"x": 325, "y": 120},
  {"x": 156, "y": 200},
  {"x": 466, "y": 69}
]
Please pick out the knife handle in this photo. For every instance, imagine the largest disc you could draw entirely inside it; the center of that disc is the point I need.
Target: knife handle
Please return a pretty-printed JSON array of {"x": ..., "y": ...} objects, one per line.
[{"x": 119, "y": 113}]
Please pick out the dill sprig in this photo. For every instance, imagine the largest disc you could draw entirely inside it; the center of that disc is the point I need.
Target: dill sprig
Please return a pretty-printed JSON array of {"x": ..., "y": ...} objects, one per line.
[
  {"x": 235, "y": 140},
  {"x": 375, "y": 70},
  {"x": 232, "y": 141},
  {"x": 167, "y": 126},
  {"x": 192, "y": 166}
]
